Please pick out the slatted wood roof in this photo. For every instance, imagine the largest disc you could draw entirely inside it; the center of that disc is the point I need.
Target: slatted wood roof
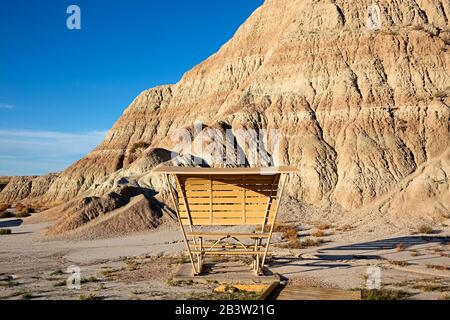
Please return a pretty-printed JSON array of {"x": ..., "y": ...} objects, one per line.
[{"x": 225, "y": 171}]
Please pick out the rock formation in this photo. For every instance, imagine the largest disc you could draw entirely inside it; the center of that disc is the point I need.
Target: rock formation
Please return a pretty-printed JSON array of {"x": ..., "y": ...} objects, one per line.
[{"x": 363, "y": 111}]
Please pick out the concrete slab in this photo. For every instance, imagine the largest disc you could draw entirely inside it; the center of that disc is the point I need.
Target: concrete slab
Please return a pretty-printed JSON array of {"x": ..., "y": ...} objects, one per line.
[{"x": 225, "y": 273}]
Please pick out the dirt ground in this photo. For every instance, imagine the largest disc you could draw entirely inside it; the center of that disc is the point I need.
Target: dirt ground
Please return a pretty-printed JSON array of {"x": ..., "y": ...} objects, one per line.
[{"x": 142, "y": 266}]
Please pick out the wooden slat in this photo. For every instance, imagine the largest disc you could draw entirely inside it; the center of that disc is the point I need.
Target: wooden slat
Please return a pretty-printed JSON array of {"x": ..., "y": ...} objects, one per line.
[
  {"x": 229, "y": 253},
  {"x": 228, "y": 207},
  {"x": 225, "y": 187},
  {"x": 218, "y": 235},
  {"x": 227, "y": 215},
  {"x": 227, "y": 193},
  {"x": 223, "y": 221},
  {"x": 228, "y": 180},
  {"x": 222, "y": 200}
]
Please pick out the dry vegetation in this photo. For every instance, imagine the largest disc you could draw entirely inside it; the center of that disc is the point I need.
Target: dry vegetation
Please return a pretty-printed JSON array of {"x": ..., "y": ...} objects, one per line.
[
  {"x": 301, "y": 244},
  {"x": 139, "y": 145},
  {"x": 5, "y": 231},
  {"x": 6, "y": 214},
  {"x": 3, "y": 207},
  {"x": 399, "y": 263},
  {"x": 318, "y": 233},
  {"x": 383, "y": 294},
  {"x": 425, "y": 229},
  {"x": 345, "y": 228},
  {"x": 438, "y": 267}
]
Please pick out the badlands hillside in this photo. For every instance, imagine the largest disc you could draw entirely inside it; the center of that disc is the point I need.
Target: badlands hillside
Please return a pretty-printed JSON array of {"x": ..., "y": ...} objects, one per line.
[{"x": 362, "y": 111}]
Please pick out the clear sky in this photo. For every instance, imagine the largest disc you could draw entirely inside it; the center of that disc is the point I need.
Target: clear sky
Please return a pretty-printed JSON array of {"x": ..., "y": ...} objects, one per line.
[{"x": 61, "y": 89}]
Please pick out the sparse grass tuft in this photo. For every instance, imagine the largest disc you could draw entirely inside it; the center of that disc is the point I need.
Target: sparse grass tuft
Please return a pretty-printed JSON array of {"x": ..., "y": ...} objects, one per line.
[
  {"x": 5, "y": 231},
  {"x": 438, "y": 267},
  {"x": 234, "y": 295},
  {"x": 3, "y": 207},
  {"x": 430, "y": 287},
  {"x": 6, "y": 215},
  {"x": 318, "y": 233},
  {"x": 324, "y": 226},
  {"x": 383, "y": 294},
  {"x": 57, "y": 272},
  {"x": 399, "y": 263},
  {"x": 22, "y": 214},
  {"x": 90, "y": 280},
  {"x": 345, "y": 228},
  {"x": 60, "y": 283},
  {"x": 425, "y": 229},
  {"x": 400, "y": 247},
  {"x": 183, "y": 260},
  {"x": 90, "y": 296},
  {"x": 173, "y": 283},
  {"x": 288, "y": 231},
  {"x": 23, "y": 210},
  {"x": 27, "y": 296},
  {"x": 9, "y": 283},
  {"x": 414, "y": 253},
  {"x": 297, "y": 244}
]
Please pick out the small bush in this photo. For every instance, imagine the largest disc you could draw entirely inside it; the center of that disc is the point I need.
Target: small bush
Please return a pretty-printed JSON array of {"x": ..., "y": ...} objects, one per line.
[
  {"x": 3, "y": 207},
  {"x": 400, "y": 247},
  {"x": 318, "y": 233},
  {"x": 90, "y": 280},
  {"x": 139, "y": 145},
  {"x": 5, "y": 231},
  {"x": 21, "y": 209},
  {"x": 324, "y": 226},
  {"x": 90, "y": 296},
  {"x": 345, "y": 228},
  {"x": 6, "y": 214},
  {"x": 60, "y": 283},
  {"x": 399, "y": 263},
  {"x": 297, "y": 244},
  {"x": 22, "y": 214},
  {"x": 383, "y": 294},
  {"x": 425, "y": 229},
  {"x": 438, "y": 267},
  {"x": 288, "y": 231},
  {"x": 290, "y": 234}
]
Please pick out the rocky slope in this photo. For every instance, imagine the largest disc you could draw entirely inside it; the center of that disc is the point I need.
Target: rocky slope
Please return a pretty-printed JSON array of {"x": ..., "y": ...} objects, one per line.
[{"x": 363, "y": 112}]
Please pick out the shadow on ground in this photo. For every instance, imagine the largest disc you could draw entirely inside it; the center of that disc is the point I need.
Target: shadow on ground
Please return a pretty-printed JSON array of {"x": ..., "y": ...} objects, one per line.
[
  {"x": 11, "y": 223},
  {"x": 392, "y": 243}
]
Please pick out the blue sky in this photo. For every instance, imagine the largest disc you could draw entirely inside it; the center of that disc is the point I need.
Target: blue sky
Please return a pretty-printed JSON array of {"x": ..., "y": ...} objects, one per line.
[{"x": 61, "y": 90}]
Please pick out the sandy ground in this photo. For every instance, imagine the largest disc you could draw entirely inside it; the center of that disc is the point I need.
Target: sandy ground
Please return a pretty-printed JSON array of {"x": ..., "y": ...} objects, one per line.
[{"x": 141, "y": 266}]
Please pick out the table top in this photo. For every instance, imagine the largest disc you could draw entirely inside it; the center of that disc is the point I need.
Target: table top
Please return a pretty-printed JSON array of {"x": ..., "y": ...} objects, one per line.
[{"x": 225, "y": 171}]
